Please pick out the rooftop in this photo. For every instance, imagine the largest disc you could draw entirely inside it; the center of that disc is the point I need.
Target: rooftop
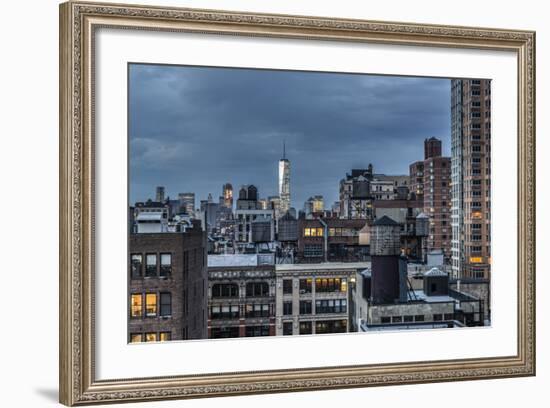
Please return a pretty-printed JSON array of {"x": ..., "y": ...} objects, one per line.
[
  {"x": 435, "y": 272},
  {"x": 420, "y": 295},
  {"x": 149, "y": 216},
  {"x": 240, "y": 260},
  {"x": 322, "y": 266},
  {"x": 385, "y": 220}
]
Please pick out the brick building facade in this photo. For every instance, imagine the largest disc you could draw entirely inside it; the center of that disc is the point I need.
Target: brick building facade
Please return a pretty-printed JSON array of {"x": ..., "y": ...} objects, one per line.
[{"x": 167, "y": 286}]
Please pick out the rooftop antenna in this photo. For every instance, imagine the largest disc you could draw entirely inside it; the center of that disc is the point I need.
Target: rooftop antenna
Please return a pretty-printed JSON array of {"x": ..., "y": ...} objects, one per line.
[{"x": 284, "y": 149}]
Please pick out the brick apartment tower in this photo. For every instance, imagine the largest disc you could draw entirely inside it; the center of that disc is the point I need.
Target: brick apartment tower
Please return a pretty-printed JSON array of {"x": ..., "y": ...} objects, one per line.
[
  {"x": 471, "y": 177},
  {"x": 167, "y": 282},
  {"x": 430, "y": 180}
]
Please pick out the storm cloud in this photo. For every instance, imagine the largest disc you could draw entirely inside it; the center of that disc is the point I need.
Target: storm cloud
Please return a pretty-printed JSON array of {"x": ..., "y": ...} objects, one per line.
[{"x": 192, "y": 129}]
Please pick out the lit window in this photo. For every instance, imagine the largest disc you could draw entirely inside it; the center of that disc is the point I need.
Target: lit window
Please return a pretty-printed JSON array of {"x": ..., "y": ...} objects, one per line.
[
  {"x": 151, "y": 304},
  {"x": 150, "y": 337},
  {"x": 136, "y": 305},
  {"x": 136, "y": 338},
  {"x": 344, "y": 285},
  {"x": 165, "y": 336},
  {"x": 313, "y": 232}
]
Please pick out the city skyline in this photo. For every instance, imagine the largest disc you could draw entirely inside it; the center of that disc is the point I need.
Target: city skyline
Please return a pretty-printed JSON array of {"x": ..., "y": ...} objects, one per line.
[{"x": 172, "y": 128}]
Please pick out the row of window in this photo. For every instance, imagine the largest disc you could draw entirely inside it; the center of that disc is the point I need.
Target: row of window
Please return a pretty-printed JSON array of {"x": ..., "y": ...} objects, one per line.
[
  {"x": 416, "y": 318},
  {"x": 321, "y": 306},
  {"x": 233, "y": 312},
  {"x": 321, "y": 327},
  {"x": 150, "y": 305},
  {"x": 313, "y": 250},
  {"x": 148, "y": 337},
  {"x": 313, "y": 232},
  {"x": 231, "y": 290},
  {"x": 152, "y": 265},
  {"x": 323, "y": 285},
  {"x": 233, "y": 331}
]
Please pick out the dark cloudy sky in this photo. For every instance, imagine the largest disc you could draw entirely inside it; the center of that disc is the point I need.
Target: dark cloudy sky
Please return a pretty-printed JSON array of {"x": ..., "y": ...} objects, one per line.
[{"x": 192, "y": 129}]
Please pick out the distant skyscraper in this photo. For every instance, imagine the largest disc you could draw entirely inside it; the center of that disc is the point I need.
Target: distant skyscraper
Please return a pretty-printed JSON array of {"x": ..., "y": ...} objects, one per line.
[
  {"x": 227, "y": 195},
  {"x": 314, "y": 204},
  {"x": 284, "y": 183},
  {"x": 471, "y": 177},
  {"x": 187, "y": 203},
  {"x": 430, "y": 181},
  {"x": 159, "y": 194}
]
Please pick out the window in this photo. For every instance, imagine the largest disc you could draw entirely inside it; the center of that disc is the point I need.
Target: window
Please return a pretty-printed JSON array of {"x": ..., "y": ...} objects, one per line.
[
  {"x": 136, "y": 265},
  {"x": 313, "y": 232},
  {"x": 313, "y": 250},
  {"x": 385, "y": 319},
  {"x": 151, "y": 267},
  {"x": 449, "y": 316},
  {"x": 165, "y": 304},
  {"x": 150, "y": 337},
  {"x": 256, "y": 289},
  {"x": 150, "y": 304},
  {"x": 165, "y": 336},
  {"x": 287, "y": 328},
  {"x": 257, "y": 310},
  {"x": 165, "y": 264},
  {"x": 224, "y": 332},
  {"x": 305, "y": 328},
  {"x": 438, "y": 317},
  {"x": 225, "y": 290},
  {"x": 331, "y": 306},
  {"x": 396, "y": 319},
  {"x": 287, "y": 308},
  {"x": 305, "y": 307},
  {"x": 256, "y": 331},
  {"x": 419, "y": 318},
  {"x": 331, "y": 326},
  {"x": 136, "y": 337},
  {"x": 408, "y": 318},
  {"x": 287, "y": 286},
  {"x": 224, "y": 312},
  {"x": 305, "y": 285},
  {"x": 331, "y": 285},
  {"x": 136, "y": 305}
]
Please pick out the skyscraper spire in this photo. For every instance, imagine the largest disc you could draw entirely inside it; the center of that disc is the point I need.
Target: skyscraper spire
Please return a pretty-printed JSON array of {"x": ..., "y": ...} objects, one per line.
[{"x": 284, "y": 182}]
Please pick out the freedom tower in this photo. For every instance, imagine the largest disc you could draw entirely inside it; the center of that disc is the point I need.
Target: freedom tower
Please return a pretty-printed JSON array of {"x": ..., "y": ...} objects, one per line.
[{"x": 284, "y": 183}]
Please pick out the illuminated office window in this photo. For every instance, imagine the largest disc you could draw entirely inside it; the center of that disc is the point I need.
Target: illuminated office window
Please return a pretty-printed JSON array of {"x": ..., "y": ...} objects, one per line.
[
  {"x": 136, "y": 305},
  {"x": 151, "y": 304},
  {"x": 165, "y": 336}
]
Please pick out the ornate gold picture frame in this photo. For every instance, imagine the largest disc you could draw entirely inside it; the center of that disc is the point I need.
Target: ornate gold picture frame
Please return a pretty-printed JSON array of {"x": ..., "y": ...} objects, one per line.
[{"x": 78, "y": 24}]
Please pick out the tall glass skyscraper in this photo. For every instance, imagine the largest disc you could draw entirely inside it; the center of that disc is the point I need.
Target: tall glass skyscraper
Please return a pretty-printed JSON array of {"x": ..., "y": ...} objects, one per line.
[{"x": 284, "y": 183}]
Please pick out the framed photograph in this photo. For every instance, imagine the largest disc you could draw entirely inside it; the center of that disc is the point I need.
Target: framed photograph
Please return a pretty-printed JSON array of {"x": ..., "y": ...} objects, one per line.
[{"x": 256, "y": 203}]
